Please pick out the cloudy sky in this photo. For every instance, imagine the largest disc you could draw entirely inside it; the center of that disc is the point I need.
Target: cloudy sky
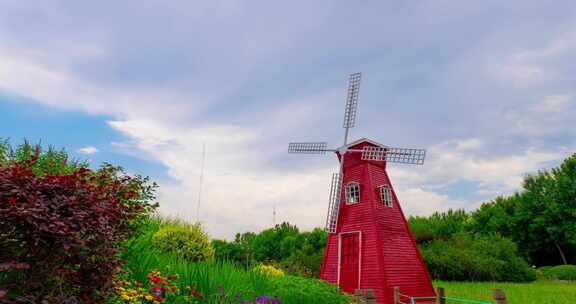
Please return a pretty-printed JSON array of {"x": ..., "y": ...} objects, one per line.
[{"x": 487, "y": 87}]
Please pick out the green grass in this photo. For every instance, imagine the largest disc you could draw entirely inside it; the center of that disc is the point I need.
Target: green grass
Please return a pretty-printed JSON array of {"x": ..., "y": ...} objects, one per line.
[
  {"x": 539, "y": 292},
  {"x": 208, "y": 277}
]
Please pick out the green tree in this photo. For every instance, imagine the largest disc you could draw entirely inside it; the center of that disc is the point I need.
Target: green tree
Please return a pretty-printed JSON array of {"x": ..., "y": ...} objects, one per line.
[
  {"x": 541, "y": 219},
  {"x": 440, "y": 225},
  {"x": 43, "y": 161},
  {"x": 497, "y": 216},
  {"x": 547, "y": 213},
  {"x": 276, "y": 243},
  {"x": 476, "y": 257}
]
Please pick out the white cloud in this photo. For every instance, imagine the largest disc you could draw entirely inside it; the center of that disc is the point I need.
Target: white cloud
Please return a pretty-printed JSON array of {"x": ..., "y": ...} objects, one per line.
[
  {"x": 240, "y": 189},
  {"x": 453, "y": 161},
  {"x": 246, "y": 171},
  {"x": 531, "y": 67},
  {"x": 417, "y": 201},
  {"x": 553, "y": 114},
  {"x": 87, "y": 150},
  {"x": 520, "y": 75},
  {"x": 27, "y": 72}
]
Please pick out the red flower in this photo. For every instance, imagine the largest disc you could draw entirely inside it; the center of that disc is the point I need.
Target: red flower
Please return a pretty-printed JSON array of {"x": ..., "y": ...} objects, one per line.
[
  {"x": 196, "y": 293},
  {"x": 156, "y": 280}
]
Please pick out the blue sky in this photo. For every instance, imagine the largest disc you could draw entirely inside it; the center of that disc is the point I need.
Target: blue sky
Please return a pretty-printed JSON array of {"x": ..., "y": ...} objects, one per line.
[{"x": 487, "y": 87}]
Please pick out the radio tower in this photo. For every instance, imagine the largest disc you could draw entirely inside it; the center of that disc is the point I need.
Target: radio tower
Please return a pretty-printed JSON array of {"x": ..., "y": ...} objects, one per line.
[
  {"x": 200, "y": 182},
  {"x": 274, "y": 215}
]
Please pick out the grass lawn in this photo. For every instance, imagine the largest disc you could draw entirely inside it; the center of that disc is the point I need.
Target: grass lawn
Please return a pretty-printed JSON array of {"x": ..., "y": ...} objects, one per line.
[{"x": 539, "y": 292}]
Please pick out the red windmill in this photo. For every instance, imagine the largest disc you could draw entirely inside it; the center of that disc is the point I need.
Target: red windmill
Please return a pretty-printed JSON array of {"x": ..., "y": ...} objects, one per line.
[{"x": 369, "y": 244}]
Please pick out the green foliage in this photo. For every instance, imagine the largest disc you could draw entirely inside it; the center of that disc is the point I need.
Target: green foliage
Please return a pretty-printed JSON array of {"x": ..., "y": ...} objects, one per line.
[
  {"x": 228, "y": 251},
  {"x": 299, "y": 253},
  {"x": 188, "y": 241},
  {"x": 440, "y": 225},
  {"x": 307, "y": 257},
  {"x": 541, "y": 219},
  {"x": 561, "y": 272},
  {"x": 496, "y": 216},
  {"x": 548, "y": 209},
  {"x": 217, "y": 277},
  {"x": 274, "y": 243},
  {"x": 43, "y": 161},
  {"x": 299, "y": 290},
  {"x": 467, "y": 257},
  {"x": 61, "y": 225}
]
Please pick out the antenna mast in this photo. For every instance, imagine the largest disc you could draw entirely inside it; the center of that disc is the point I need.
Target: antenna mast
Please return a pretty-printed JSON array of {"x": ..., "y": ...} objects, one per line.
[
  {"x": 201, "y": 181},
  {"x": 274, "y": 215}
]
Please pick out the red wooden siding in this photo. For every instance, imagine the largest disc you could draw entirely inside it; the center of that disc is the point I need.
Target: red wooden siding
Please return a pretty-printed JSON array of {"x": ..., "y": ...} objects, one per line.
[
  {"x": 388, "y": 254},
  {"x": 349, "y": 261},
  {"x": 329, "y": 271}
]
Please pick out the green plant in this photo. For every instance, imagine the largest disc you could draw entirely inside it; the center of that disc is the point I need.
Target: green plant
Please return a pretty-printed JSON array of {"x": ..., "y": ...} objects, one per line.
[
  {"x": 269, "y": 270},
  {"x": 468, "y": 257},
  {"x": 61, "y": 225},
  {"x": 440, "y": 225},
  {"x": 560, "y": 272},
  {"x": 188, "y": 241},
  {"x": 211, "y": 279}
]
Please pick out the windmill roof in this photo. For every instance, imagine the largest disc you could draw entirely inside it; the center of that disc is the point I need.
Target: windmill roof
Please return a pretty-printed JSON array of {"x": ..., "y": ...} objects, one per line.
[{"x": 364, "y": 139}]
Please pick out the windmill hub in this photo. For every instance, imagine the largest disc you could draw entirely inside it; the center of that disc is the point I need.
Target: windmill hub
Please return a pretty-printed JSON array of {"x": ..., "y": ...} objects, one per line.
[{"x": 342, "y": 150}]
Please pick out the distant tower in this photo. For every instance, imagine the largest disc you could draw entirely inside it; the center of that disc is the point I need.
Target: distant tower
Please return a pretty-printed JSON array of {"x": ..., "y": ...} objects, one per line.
[
  {"x": 274, "y": 215},
  {"x": 200, "y": 182},
  {"x": 369, "y": 244}
]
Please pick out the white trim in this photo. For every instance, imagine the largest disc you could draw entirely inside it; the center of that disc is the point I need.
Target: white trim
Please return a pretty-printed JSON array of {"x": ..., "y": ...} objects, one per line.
[
  {"x": 364, "y": 139},
  {"x": 390, "y": 203},
  {"x": 346, "y": 193},
  {"x": 359, "y": 255}
]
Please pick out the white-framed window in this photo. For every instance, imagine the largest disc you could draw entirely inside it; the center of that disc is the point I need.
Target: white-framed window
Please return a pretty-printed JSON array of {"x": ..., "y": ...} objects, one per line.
[
  {"x": 352, "y": 193},
  {"x": 386, "y": 195}
]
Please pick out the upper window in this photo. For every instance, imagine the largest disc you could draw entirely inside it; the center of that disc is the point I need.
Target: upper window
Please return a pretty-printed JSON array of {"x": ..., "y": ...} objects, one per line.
[
  {"x": 353, "y": 193},
  {"x": 386, "y": 195}
]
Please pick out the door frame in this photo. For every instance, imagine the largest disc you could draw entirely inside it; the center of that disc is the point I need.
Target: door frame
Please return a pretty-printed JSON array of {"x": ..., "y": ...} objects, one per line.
[{"x": 359, "y": 255}]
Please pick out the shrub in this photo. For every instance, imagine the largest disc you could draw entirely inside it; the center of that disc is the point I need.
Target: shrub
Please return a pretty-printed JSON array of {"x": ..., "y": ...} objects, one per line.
[
  {"x": 476, "y": 258},
  {"x": 184, "y": 240},
  {"x": 561, "y": 272},
  {"x": 269, "y": 270},
  {"x": 61, "y": 225},
  {"x": 221, "y": 281}
]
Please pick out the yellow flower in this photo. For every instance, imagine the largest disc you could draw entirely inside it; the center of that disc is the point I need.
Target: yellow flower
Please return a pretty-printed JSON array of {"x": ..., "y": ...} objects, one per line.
[{"x": 149, "y": 297}]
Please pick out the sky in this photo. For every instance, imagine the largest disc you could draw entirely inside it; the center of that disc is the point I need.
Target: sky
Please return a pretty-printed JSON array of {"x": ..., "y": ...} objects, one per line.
[{"x": 487, "y": 87}]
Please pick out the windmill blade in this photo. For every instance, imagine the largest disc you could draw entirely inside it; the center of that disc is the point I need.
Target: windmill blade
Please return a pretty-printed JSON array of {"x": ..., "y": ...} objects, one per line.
[
  {"x": 308, "y": 147},
  {"x": 352, "y": 100},
  {"x": 334, "y": 203},
  {"x": 394, "y": 155}
]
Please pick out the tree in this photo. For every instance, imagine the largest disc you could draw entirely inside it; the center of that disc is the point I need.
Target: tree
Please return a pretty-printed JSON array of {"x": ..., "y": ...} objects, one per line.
[
  {"x": 276, "y": 243},
  {"x": 440, "y": 225},
  {"x": 541, "y": 218},
  {"x": 548, "y": 210},
  {"x": 497, "y": 216}
]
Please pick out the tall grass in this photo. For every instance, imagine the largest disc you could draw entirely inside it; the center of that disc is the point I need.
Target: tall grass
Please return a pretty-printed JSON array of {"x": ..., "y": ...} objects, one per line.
[
  {"x": 539, "y": 292},
  {"x": 210, "y": 277}
]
